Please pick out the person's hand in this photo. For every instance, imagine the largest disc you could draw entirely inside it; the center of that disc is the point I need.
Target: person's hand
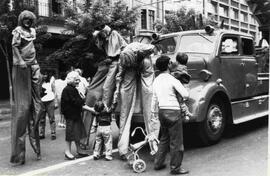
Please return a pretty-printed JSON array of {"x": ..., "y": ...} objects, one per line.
[
  {"x": 22, "y": 65},
  {"x": 113, "y": 107}
]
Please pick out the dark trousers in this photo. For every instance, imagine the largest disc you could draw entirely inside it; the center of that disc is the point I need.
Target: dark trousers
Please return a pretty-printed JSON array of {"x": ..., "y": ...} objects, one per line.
[
  {"x": 171, "y": 138},
  {"x": 48, "y": 108}
]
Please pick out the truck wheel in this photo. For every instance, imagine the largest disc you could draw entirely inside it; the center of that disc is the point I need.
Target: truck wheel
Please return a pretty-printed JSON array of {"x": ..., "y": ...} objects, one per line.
[{"x": 211, "y": 129}]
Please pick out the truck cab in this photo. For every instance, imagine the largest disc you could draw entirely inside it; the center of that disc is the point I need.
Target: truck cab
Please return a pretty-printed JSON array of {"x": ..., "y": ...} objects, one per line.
[{"x": 228, "y": 82}]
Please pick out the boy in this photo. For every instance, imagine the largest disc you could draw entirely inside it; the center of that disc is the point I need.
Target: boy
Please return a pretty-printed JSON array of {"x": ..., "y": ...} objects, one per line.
[
  {"x": 104, "y": 132},
  {"x": 179, "y": 71}
]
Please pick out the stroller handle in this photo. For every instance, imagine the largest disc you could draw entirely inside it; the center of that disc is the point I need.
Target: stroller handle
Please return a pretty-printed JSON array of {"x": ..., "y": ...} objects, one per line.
[{"x": 134, "y": 131}]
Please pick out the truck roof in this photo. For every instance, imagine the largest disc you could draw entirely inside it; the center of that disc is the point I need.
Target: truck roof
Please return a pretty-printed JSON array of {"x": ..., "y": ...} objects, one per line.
[{"x": 218, "y": 31}]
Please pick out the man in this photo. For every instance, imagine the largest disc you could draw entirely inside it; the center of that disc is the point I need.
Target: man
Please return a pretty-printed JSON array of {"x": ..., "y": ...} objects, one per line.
[
  {"x": 26, "y": 81},
  {"x": 135, "y": 68},
  {"x": 165, "y": 87}
]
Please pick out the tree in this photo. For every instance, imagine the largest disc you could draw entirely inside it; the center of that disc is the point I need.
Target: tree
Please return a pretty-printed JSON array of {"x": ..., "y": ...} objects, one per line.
[{"x": 182, "y": 20}]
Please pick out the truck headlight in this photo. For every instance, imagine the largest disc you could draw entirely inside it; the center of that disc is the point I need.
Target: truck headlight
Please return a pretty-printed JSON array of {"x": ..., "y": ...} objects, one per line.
[{"x": 205, "y": 75}]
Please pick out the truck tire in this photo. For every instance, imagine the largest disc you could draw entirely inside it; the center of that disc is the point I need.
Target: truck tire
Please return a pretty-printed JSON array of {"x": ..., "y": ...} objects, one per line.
[{"x": 212, "y": 127}]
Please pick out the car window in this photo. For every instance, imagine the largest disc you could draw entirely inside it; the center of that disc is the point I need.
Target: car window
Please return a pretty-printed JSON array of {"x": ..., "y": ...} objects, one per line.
[
  {"x": 247, "y": 46},
  {"x": 167, "y": 45},
  {"x": 229, "y": 46}
]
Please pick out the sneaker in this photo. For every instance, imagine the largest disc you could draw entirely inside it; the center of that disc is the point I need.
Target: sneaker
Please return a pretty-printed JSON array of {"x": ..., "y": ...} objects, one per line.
[
  {"x": 180, "y": 171},
  {"x": 108, "y": 158}
]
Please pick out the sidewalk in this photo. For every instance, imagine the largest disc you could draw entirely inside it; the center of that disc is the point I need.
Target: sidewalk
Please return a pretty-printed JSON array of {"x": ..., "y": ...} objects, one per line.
[
  {"x": 52, "y": 151},
  {"x": 5, "y": 110}
]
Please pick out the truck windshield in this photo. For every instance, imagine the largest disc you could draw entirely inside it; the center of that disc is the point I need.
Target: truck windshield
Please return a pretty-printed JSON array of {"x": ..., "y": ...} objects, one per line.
[
  {"x": 197, "y": 43},
  {"x": 167, "y": 45}
]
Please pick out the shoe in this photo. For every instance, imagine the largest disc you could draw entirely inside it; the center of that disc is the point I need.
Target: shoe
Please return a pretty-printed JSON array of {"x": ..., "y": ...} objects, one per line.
[
  {"x": 123, "y": 158},
  {"x": 69, "y": 158},
  {"x": 41, "y": 136},
  {"x": 160, "y": 167},
  {"x": 180, "y": 171},
  {"x": 53, "y": 137},
  {"x": 80, "y": 155},
  {"x": 38, "y": 156},
  {"x": 96, "y": 157},
  {"x": 108, "y": 158}
]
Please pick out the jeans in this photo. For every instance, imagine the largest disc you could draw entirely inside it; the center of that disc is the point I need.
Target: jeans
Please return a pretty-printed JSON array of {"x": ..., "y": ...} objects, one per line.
[
  {"x": 171, "y": 139},
  {"x": 104, "y": 134}
]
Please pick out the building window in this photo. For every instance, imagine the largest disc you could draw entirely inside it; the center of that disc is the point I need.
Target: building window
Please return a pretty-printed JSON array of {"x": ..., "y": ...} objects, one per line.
[
  {"x": 143, "y": 19},
  {"x": 43, "y": 8},
  {"x": 224, "y": 11},
  {"x": 235, "y": 14},
  {"x": 158, "y": 10},
  {"x": 56, "y": 7},
  {"x": 151, "y": 19},
  {"x": 244, "y": 17},
  {"x": 214, "y": 8}
]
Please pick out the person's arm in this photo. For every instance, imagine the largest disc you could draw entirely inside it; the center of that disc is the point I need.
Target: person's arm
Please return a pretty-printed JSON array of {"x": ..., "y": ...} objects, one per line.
[
  {"x": 16, "y": 42},
  {"x": 180, "y": 89},
  {"x": 75, "y": 98},
  {"x": 121, "y": 41},
  {"x": 88, "y": 108},
  {"x": 118, "y": 79}
]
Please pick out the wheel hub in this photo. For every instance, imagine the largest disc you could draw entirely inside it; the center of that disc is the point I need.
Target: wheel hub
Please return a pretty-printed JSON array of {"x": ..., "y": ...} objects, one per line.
[{"x": 215, "y": 119}]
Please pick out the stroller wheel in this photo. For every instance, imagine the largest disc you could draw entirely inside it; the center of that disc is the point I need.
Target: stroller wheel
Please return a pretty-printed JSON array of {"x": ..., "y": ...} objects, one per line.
[{"x": 139, "y": 166}]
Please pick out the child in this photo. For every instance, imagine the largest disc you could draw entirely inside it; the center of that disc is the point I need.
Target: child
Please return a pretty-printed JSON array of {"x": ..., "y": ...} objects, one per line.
[
  {"x": 179, "y": 71},
  {"x": 104, "y": 132}
]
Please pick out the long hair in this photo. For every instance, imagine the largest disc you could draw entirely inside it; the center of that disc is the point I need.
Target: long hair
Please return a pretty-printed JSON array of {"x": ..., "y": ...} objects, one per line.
[{"x": 26, "y": 14}]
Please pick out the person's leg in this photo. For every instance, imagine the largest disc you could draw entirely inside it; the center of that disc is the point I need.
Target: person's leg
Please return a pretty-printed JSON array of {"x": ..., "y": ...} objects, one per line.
[
  {"x": 163, "y": 148},
  {"x": 33, "y": 126},
  {"x": 128, "y": 98},
  {"x": 109, "y": 84},
  {"x": 68, "y": 153},
  {"x": 98, "y": 143},
  {"x": 176, "y": 146},
  {"x": 50, "y": 111},
  {"x": 94, "y": 93},
  {"x": 42, "y": 121},
  {"x": 107, "y": 136},
  {"x": 20, "y": 112}
]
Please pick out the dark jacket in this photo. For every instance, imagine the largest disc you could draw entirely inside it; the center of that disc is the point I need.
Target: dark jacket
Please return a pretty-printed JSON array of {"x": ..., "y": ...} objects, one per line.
[
  {"x": 104, "y": 118},
  {"x": 71, "y": 103}
]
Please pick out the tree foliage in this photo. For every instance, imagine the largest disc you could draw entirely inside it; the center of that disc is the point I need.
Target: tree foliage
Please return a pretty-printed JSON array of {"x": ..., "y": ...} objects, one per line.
[
  {"x": 182, "y": 20},
  {"x": 81, "y": 24}
]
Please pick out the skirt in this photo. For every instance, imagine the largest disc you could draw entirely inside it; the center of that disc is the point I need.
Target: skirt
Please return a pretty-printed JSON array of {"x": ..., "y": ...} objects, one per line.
[{"x": 75, "y": 130}]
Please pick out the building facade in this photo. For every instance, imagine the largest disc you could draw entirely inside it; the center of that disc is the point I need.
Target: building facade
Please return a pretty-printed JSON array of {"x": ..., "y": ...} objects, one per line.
[
  {"x": 150, "y": 12},
  {"x": 236, "y": 14}
]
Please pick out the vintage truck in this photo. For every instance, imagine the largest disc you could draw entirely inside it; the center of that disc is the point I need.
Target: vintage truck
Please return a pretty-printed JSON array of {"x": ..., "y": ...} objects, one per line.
[{"x": 229, "y": 81}]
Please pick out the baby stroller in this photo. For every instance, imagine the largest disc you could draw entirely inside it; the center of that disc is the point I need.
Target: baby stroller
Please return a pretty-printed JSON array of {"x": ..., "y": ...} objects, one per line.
[{"x": 133, "y": 157}]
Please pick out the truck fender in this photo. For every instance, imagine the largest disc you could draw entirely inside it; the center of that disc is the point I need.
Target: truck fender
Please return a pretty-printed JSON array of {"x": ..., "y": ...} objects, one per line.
[{"x": 201, "y": 96}]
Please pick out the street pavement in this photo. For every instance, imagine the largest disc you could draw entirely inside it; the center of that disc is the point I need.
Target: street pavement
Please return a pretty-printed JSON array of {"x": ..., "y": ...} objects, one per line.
[{"x": 242, "y": 152}]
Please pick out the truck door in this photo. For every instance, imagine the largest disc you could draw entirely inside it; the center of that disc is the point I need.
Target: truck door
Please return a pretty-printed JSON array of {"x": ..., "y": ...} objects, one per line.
[
  {"x": 232, "y": 66},
  {"x": 250, "y": 66}
]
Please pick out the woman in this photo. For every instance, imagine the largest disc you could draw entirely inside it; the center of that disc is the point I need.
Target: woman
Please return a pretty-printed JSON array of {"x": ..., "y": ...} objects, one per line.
[
  {"x": 26, "y": 88},
  {"x": 71, "y": 107}
]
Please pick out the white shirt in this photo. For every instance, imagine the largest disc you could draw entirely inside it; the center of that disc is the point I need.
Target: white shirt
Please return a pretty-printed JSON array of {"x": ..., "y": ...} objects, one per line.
[
  {"x": 49, "y": 94},
  {"x": 165, "y": 87},
  {"x": 59, "y": 87}
]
